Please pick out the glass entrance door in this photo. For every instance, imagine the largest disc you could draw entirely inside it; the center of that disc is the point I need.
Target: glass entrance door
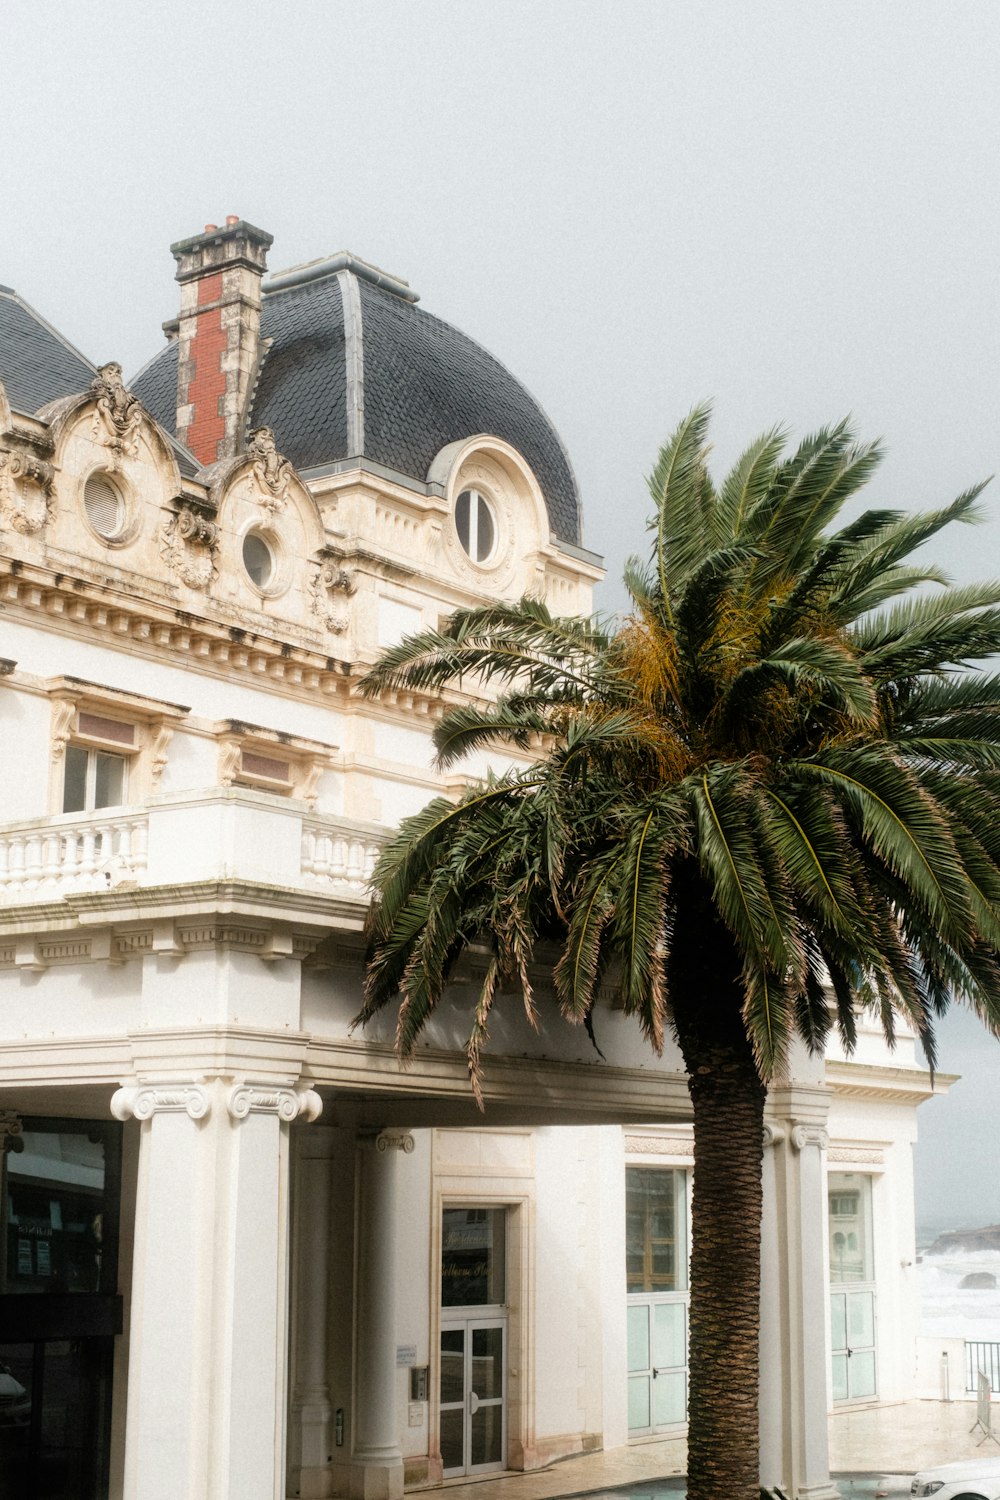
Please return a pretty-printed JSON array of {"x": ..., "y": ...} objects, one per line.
[
  {"x": 852, "y": 1329},
  {"x": 852, "y": 1288},
  {"x": 657, "y": 1364},
  {"x": 473, "y": 1406},
  {"x": 54, "y": 1407},
  {"x": 472, "y": 1387},
  {"x": 656, "y": 1267},
  {"x": 59, "y": 1305}
]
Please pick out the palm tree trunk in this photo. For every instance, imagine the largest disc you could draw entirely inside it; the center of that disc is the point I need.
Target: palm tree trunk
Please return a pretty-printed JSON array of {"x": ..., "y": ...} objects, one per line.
[{"x": 728, "y": 1099}]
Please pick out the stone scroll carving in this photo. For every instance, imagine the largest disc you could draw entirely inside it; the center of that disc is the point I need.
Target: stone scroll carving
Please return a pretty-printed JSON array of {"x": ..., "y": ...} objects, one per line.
[
  {"x": 264, "y": 1098},
  {"x": 271, "y": 470},
  {"x": 809, "y": 1135},
  {"x": 330, "y": 586},
  {"x": 145, "y": 1100},
  {"x": 395, "y": 1140},
  {"x": 189, "y": 546},
  {"x": 118, "y": 415},
  {"x": 25, "y": 490}
]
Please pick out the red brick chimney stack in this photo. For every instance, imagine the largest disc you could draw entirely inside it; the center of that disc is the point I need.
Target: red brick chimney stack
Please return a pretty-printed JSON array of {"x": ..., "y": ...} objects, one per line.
[{"x": 218, "y": 334}]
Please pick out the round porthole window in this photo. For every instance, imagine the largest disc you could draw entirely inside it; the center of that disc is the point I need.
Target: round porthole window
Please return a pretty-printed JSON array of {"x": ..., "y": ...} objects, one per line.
[
  {"x": 259, "y": 560},
  {"x": 105, "y": 507},
  {"x": 476, "y": 525}
]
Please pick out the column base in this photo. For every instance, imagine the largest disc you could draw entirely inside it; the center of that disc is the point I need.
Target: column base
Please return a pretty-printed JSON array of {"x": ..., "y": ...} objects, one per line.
[{"x": 377, "y": 1478}]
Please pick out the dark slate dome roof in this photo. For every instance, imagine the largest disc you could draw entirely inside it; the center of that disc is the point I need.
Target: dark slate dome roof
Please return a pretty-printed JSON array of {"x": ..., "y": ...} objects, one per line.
[
  {"x": 354, "y": 369},
  {"x": 37, "y": 365}
]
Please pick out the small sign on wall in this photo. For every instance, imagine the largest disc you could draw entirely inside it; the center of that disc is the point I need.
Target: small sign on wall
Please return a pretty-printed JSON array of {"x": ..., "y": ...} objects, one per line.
[{"x": 406, "y": 1354}]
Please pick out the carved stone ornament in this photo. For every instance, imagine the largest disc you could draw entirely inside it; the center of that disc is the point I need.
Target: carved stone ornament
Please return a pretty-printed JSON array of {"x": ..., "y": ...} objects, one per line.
[
  {"x": 139, "y": 1103},
  {"x": 11, "y": 1131},
  {"x": 271, "y": 470},
  {"x": 330, "y": 583},
  {"x": 659, "y": 1145},
  {"x": 189, "y": 546},
  {"x": 857, "y": 1156},
  {"x": 118, "y": 416},
  {"x": 266, "y": 1099},
  {"x": 395, "y": 1140},
  {"x": 773, "y": 1135},
  {"x": 25, "y": 490},
  {"x": 809, "y": 1135},
  {"x": 63, "y": 717}
]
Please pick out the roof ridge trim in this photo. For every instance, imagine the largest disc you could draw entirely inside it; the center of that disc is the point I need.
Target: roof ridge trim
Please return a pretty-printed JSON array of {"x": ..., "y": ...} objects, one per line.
[
  {"x": 318, "y": 270},
  {"x": 354, "y": 359}
]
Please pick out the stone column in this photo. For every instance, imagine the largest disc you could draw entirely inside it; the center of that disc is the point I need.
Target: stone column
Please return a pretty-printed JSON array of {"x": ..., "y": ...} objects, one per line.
[
  {"x": 310, "y": 1438},
  {"x": 377, "y": 1463},
  {"x": 206, "y": 1393},
  {"x": 793, "y": 1399}
]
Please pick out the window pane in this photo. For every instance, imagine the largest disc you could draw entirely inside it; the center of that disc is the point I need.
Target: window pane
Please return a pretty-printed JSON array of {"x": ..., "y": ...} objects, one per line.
[
  {"x": 473, "y": 1257},
  {"x": 487, "y": 1362},
  {"x": 486, "y": 1436},
  {"x": 669, "y": 1398},
  {"x": 109, "y": 779},
  {"x": 654, "y": 1229},
  {"x": 56, "y": 1215},
  {"x": 452, "y": 1365},
  {"x": 452, "y": 1423},
  {"x": 638, "y": 1402},
  {"x": 75, "y": 779},
  {"x": 638, "y": 1337},
  {"x": 850, "y": 1224},
  {"x": 463, "y": 508},
  {"x": 484, "y": 540}
]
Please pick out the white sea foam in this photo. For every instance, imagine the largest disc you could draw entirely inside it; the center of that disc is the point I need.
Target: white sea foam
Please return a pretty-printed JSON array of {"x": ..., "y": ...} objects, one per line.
[{"x": 949, "y": 1310}]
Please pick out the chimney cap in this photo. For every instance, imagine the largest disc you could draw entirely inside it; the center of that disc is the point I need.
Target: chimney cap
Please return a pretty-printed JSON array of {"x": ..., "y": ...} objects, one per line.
[{"x": 234, "y": 229}]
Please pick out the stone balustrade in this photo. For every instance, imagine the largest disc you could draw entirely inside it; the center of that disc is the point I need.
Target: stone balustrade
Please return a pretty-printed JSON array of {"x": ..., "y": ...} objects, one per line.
[
  {"x": 55, "y": 857},
  {"x": 43, "y": 861},
  {"x": 338, "y": 856}
]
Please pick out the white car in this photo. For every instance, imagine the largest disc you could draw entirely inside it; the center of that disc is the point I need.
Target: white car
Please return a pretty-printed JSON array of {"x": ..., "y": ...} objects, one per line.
[
  {"x": 972, "y": 1479},
  {"x": 15, "y": 1403}
]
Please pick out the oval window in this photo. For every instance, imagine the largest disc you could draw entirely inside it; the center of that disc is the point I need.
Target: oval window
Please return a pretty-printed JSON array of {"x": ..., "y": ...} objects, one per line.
[
  {"x": 258, "y": 559},
  {"x": 105, "y": 507},
  {"x": 475, "y": 525}
]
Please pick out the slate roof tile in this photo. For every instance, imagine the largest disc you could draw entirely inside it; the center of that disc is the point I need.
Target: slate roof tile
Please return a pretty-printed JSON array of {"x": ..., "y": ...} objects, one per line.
[
  {"x": 425, "y": 385},
  {"x": 37, "y": 365}
]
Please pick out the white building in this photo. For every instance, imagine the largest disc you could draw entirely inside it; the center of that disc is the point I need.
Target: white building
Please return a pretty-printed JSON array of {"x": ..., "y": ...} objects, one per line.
[{"x": 243, "y": 1253}]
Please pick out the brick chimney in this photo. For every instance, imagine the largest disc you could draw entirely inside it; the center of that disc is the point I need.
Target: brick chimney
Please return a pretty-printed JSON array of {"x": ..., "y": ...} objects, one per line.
[{"x": 218, "y": 334}]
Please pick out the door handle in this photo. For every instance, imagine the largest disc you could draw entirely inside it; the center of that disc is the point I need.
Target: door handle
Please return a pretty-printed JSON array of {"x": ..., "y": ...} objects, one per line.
[{"x": 473, "y": 1403}]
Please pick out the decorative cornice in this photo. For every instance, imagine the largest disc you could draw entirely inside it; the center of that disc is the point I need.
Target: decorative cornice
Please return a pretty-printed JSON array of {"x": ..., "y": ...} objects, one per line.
[
  {"x": 142, "y": 1101},
  {"x": 809, "y": 1135},
  {"x": 250, "y": 1098}
]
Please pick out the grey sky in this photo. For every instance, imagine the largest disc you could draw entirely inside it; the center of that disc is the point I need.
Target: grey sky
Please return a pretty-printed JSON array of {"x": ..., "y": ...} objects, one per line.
[{"x": 790, "y": 207}]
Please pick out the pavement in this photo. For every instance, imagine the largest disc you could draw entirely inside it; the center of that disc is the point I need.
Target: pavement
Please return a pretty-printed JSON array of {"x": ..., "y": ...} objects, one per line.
[{"x": 874, "y": 1451}]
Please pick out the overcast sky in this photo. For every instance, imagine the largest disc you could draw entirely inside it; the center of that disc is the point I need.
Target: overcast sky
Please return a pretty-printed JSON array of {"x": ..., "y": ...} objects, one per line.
[{"x": 792, "y": 208}]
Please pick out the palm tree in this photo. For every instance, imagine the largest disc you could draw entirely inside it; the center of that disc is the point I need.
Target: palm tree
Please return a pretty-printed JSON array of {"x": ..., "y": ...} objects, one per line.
[{"x": 767, "y": 801}]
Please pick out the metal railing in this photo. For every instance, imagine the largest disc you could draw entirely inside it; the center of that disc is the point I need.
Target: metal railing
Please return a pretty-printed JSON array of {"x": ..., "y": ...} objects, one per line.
[{"x": 982, "y": 1355}]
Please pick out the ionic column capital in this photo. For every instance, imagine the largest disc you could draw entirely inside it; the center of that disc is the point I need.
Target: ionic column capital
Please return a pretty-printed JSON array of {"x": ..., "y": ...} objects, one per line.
[
  {"x": 139, "y": 1102},
  {"x": 255, "y": 1098},
  {"x": 773, "y": 1134},
  {"x": 394, "y": 1140},
  {"x": 809, "y": 1135}
]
